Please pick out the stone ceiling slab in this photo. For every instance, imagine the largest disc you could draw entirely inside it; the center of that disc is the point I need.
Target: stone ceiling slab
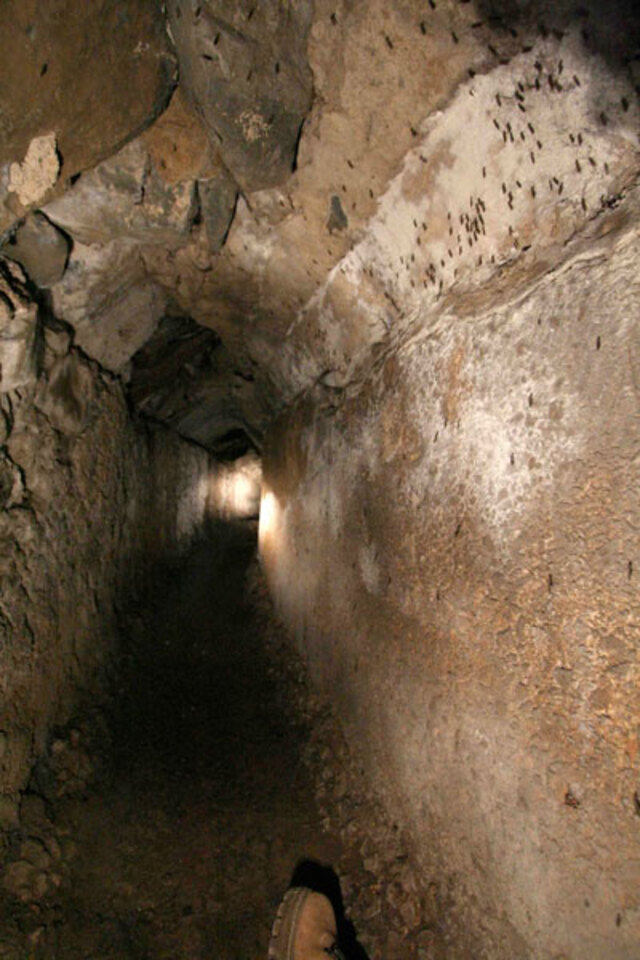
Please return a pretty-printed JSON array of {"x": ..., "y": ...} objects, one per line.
[
  {"x": 244, "y": 66},
  {"x": 64, "y": 77}
]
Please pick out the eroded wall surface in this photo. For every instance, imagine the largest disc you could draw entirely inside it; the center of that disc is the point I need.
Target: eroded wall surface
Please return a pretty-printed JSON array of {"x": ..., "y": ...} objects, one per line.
[
  {"x": 456, "y": 550},
  {"x": 92, "y": 506}
]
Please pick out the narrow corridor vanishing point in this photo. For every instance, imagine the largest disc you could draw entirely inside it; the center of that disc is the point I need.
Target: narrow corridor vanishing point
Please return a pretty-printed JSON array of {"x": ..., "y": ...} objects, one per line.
[{"x": 369, "y": 270}]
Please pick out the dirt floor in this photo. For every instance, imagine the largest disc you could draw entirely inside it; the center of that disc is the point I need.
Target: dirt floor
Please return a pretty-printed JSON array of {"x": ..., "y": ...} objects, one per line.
[{"x": 170, "y": 825}]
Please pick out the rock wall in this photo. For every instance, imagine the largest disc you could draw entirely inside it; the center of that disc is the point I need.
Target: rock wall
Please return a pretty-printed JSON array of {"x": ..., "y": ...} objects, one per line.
[
  {"x": 455, "y": 548},
  {"x": 92, "y": 505}
]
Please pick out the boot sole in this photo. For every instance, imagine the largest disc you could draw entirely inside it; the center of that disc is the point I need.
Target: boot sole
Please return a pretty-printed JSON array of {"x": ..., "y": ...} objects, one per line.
[{"x": 283, "y": 933}]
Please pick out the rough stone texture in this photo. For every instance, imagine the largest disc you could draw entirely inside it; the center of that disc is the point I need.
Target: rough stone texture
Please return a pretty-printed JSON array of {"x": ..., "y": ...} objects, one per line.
[
  {"x": 91, "y": 504},
  {"x": 553, "y": 134},
  {"x": 184, "y": 377},
  {"x": 456, "y": 551},
  {"x": 106, "y": 296},
  {"x": 40, "y": 248},
  {"x": 19, "y": 330},
  {"x": 179, "y": 150},
  {"x": 453, "y": 546},
  {"x": 150, "y": 194},
  {"x": 125, "y": 197},
  {"x": 86, "y": 77},
  {"x": 66, "y": 394},
  {"x": 123, "y": 325},
  {"x": 494, "y": 189},
  {"x": 370, "y": 99},
  {"x": 177, "y": 143},
  {"x": 245, "y": 67}
]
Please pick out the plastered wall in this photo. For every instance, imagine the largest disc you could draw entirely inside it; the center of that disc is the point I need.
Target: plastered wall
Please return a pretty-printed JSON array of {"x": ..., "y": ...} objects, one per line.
[{"x": 455, "y": 549}]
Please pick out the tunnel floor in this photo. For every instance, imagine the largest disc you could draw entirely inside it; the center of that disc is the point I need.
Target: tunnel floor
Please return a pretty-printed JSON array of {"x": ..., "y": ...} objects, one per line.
[{"x": 224, "y": 779}]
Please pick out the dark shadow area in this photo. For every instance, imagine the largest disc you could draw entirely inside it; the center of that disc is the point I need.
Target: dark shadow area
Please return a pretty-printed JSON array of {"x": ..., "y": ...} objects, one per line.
[
  {"x": 233, "y": 444},
  {"x": 189, "y": 688},
  {"x": 178, "y": 804},
  {"x": 185, "y": 377},
  {"x": 609, "y": 30},
  {"x": 323, "y": 879},
  {"x": 187, "y": 839}
]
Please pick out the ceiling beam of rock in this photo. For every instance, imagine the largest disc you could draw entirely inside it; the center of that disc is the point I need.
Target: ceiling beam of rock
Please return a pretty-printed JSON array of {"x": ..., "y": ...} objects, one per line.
[
  {"x": 173, "y": 186},
  {"x": 157, "y": 192},
  {"x": 452, "y": 154}
]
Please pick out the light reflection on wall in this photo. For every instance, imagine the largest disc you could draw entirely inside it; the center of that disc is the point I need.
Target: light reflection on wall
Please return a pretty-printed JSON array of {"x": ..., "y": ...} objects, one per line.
[{"x": 269, "y": 512}]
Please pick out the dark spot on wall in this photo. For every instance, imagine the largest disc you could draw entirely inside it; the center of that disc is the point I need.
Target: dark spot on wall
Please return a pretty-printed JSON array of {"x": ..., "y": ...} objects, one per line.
[
  {"x": 338, "y": 219},
  {"x": 571, "y": 800}
]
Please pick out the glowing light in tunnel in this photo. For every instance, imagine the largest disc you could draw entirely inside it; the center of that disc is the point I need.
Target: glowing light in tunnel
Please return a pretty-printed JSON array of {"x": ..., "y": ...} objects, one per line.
[
  {"x": 268, "y": 517},
  {"x": 241, "y": 494},
  {"x": 234, "y": 489}
]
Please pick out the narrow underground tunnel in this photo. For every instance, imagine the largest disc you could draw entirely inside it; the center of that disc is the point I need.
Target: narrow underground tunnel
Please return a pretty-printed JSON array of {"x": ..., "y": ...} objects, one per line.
[{"x": 319, "y": 383}]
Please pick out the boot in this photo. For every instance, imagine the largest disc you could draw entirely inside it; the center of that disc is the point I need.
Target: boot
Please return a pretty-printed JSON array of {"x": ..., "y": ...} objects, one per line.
[{"x": 304, "y": 928}]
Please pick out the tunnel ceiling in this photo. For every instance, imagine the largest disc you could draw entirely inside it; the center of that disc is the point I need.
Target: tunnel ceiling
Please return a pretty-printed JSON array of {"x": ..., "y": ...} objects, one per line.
[{"x": 227, "y": 203}]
